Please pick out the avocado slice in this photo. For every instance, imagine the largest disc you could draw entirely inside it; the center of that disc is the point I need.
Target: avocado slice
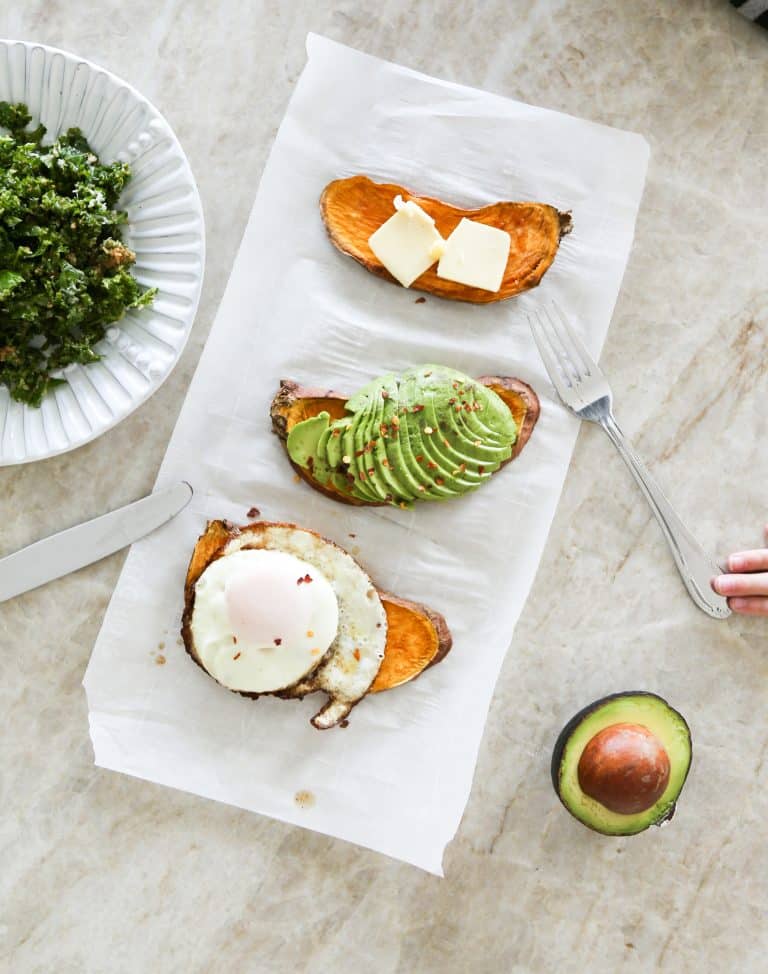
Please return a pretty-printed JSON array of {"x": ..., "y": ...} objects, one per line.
[
  {"x": 389, "y": 474},
  {"x": 659, "y": 736}
]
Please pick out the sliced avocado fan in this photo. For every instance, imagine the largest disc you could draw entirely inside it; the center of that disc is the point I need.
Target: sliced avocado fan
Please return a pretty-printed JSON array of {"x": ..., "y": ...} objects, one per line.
[{"x": 430, "y": 434}]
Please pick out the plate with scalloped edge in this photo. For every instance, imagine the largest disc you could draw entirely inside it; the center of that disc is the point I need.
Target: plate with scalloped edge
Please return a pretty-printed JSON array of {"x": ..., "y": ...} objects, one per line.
[{"x": 165, "y": 229}]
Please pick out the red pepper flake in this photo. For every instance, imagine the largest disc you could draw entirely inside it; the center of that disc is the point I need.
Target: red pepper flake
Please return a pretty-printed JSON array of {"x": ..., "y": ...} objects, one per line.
[
  {"x": 385, "y": 463},
  {"x": 452, "y": 400},
  {"x": 432, "y": 465},
  {"x": 481, "y": 470},
  {"x": 353, "y": 535},
  {"x": 383, "y": 429},
  {"x": 253, "y": 512},
  {"x": 351, "y": 478},
  {"x": 356, "y": 654},
  {"x": 307, "y": 578},
  {"x": 359, "y": 453},
  {"x": 237, "y": 656},
  {"x": 457, "y": 407},
  {"x": 455, "y": 385},
  {"x": 378, "y": 625},
  {"x": 362, "y": 474},
  {"x": 420, "y": 301},
  {"x": 446, "y": 441},
  {"x": 234, "y": 640},
  {"x": 419, "y": 457},
  {"x": 417, "y": 408},
  {"x": 395, "y": 421},
  {"x": 371, "y": 471},
  {"x": 336, "y": 432},
  {"x": 279, "y": 641},
  {"x": 439, "y": 481},
  {"x": 384, "y": 394}
]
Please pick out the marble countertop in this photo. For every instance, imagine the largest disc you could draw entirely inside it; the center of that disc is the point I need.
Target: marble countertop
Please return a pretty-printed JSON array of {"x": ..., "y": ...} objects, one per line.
[{"x": 101, "y": 872}]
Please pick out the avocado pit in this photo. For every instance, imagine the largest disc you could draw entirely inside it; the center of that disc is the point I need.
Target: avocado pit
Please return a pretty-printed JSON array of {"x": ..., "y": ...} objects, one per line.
[{"x": 625, "y": 768}]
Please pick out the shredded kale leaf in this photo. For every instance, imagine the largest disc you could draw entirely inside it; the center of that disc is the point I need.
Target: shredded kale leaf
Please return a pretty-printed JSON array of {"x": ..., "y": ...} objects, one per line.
[{"x": 64, "y": 271}]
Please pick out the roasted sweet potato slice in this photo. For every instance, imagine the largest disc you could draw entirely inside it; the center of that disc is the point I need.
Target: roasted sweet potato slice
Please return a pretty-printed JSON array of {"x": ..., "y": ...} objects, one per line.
[
  {"x": 353, "y": 208},
  {"x": 417, "y": 637},
  {"x": 294, "y": 403}
]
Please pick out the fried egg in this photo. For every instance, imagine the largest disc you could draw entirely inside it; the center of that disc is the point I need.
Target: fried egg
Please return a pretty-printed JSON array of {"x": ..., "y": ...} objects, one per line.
[{"x": 282, "y": 610}]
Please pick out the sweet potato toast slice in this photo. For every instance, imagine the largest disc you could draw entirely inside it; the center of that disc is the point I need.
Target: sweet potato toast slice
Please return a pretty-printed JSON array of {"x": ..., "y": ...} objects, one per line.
[
  {"x": 417, "y": 636},
  {"x": 294, "y": 403},
  {"x": 353, "y": 208}
]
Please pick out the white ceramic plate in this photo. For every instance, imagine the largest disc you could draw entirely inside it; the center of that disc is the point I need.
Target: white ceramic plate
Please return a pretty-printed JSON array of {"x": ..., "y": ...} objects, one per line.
[{"x": 165, "y": 229}]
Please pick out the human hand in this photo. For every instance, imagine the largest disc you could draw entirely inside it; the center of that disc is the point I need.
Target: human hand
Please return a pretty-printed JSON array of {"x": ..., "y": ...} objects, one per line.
[{"x": 746, "y": 585}]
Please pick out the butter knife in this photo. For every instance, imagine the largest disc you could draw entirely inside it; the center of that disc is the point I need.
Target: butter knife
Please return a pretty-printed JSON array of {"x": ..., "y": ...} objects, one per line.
[{"x": 82, "y": 545}]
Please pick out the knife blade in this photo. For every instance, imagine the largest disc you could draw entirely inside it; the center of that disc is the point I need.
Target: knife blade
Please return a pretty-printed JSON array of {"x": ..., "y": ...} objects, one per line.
[{"x": 83, "y": 544}]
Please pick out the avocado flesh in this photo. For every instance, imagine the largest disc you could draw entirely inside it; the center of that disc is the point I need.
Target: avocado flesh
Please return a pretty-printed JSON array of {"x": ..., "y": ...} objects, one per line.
[
  {"x": 445, "y": 448},
  {"x": 459, "y": 445},
  {"x": 385, "y": 432},
  {"x": 367, "y": 431},
  {"x": 389, "y": 473},
  {"x": 420, "y": 444},
  {"x": 359, "y": 427},
  {"x": 645, "y": 709}
]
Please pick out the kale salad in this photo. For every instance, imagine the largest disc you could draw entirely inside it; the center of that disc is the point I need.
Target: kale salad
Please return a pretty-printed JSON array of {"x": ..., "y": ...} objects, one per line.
[{"x": 64, "y": 271}]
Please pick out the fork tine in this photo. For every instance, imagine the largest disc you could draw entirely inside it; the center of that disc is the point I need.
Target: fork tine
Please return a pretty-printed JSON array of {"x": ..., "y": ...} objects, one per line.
[
  {"x": 568, "y": 364},
  {"x": 576, "y": 349},
  {"x": 560, "y": 379}
]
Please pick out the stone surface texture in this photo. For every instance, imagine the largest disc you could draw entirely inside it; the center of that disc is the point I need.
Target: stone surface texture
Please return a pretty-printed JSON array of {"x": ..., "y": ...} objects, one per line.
[{"x": 103, "y": 873}]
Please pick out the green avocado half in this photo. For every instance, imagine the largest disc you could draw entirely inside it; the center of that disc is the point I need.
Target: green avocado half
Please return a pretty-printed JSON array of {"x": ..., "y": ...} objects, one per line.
[{"x": 640, "y": 709}]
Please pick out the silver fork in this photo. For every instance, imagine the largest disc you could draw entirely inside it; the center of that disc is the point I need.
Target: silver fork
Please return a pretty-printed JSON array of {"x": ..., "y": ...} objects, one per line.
[{"x": 585, "y": 391}]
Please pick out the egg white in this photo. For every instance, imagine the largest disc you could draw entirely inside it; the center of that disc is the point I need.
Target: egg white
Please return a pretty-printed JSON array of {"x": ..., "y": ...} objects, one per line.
[
  {"x": 287, "y": 649},
  {"x": 352, "y": 661}
]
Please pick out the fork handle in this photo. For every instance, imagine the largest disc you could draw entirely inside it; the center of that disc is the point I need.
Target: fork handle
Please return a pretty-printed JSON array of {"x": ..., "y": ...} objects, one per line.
[{"x": 694, "y": 564}]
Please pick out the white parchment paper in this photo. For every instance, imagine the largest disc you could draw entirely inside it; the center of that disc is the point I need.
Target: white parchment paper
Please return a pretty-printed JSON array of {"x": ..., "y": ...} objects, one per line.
[{"x": 397, "y": 779}]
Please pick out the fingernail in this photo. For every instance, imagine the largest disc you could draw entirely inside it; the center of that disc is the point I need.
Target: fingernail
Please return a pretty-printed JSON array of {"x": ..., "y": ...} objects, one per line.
[
  {"x": 723, "y": 584},
  {"x": 736, "y": 563},
  {"x": 737, "y": 604}
]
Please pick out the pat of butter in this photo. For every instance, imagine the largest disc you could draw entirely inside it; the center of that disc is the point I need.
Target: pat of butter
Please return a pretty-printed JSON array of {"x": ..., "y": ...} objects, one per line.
[
  {"x": 476, "y": 255},
  {"x": 408, "y": 243}
]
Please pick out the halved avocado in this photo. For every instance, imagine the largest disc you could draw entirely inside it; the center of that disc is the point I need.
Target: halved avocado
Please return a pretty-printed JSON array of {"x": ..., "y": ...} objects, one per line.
[{"x": 630, "y": 751}]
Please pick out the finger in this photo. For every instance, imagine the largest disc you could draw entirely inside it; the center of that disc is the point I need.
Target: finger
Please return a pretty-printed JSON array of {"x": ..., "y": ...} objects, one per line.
[
  {"x": 755, "y": 606},
  {"x": 749, "y": 561},
  {"x": 741, "y": 585}
]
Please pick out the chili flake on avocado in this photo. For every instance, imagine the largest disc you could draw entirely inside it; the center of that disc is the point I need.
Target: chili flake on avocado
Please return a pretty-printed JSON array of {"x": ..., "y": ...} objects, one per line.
[{"x": 64, "y": 272}]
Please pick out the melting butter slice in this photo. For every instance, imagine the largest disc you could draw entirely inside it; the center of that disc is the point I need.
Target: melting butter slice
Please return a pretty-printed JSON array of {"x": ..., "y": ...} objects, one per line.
[
  {"x": 476, "y": 255},
  {"x": 408, "y": 243}
]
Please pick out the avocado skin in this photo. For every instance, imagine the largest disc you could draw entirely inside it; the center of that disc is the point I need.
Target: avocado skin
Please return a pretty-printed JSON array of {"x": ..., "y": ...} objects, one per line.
[{"x": 565, "y": 735}]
